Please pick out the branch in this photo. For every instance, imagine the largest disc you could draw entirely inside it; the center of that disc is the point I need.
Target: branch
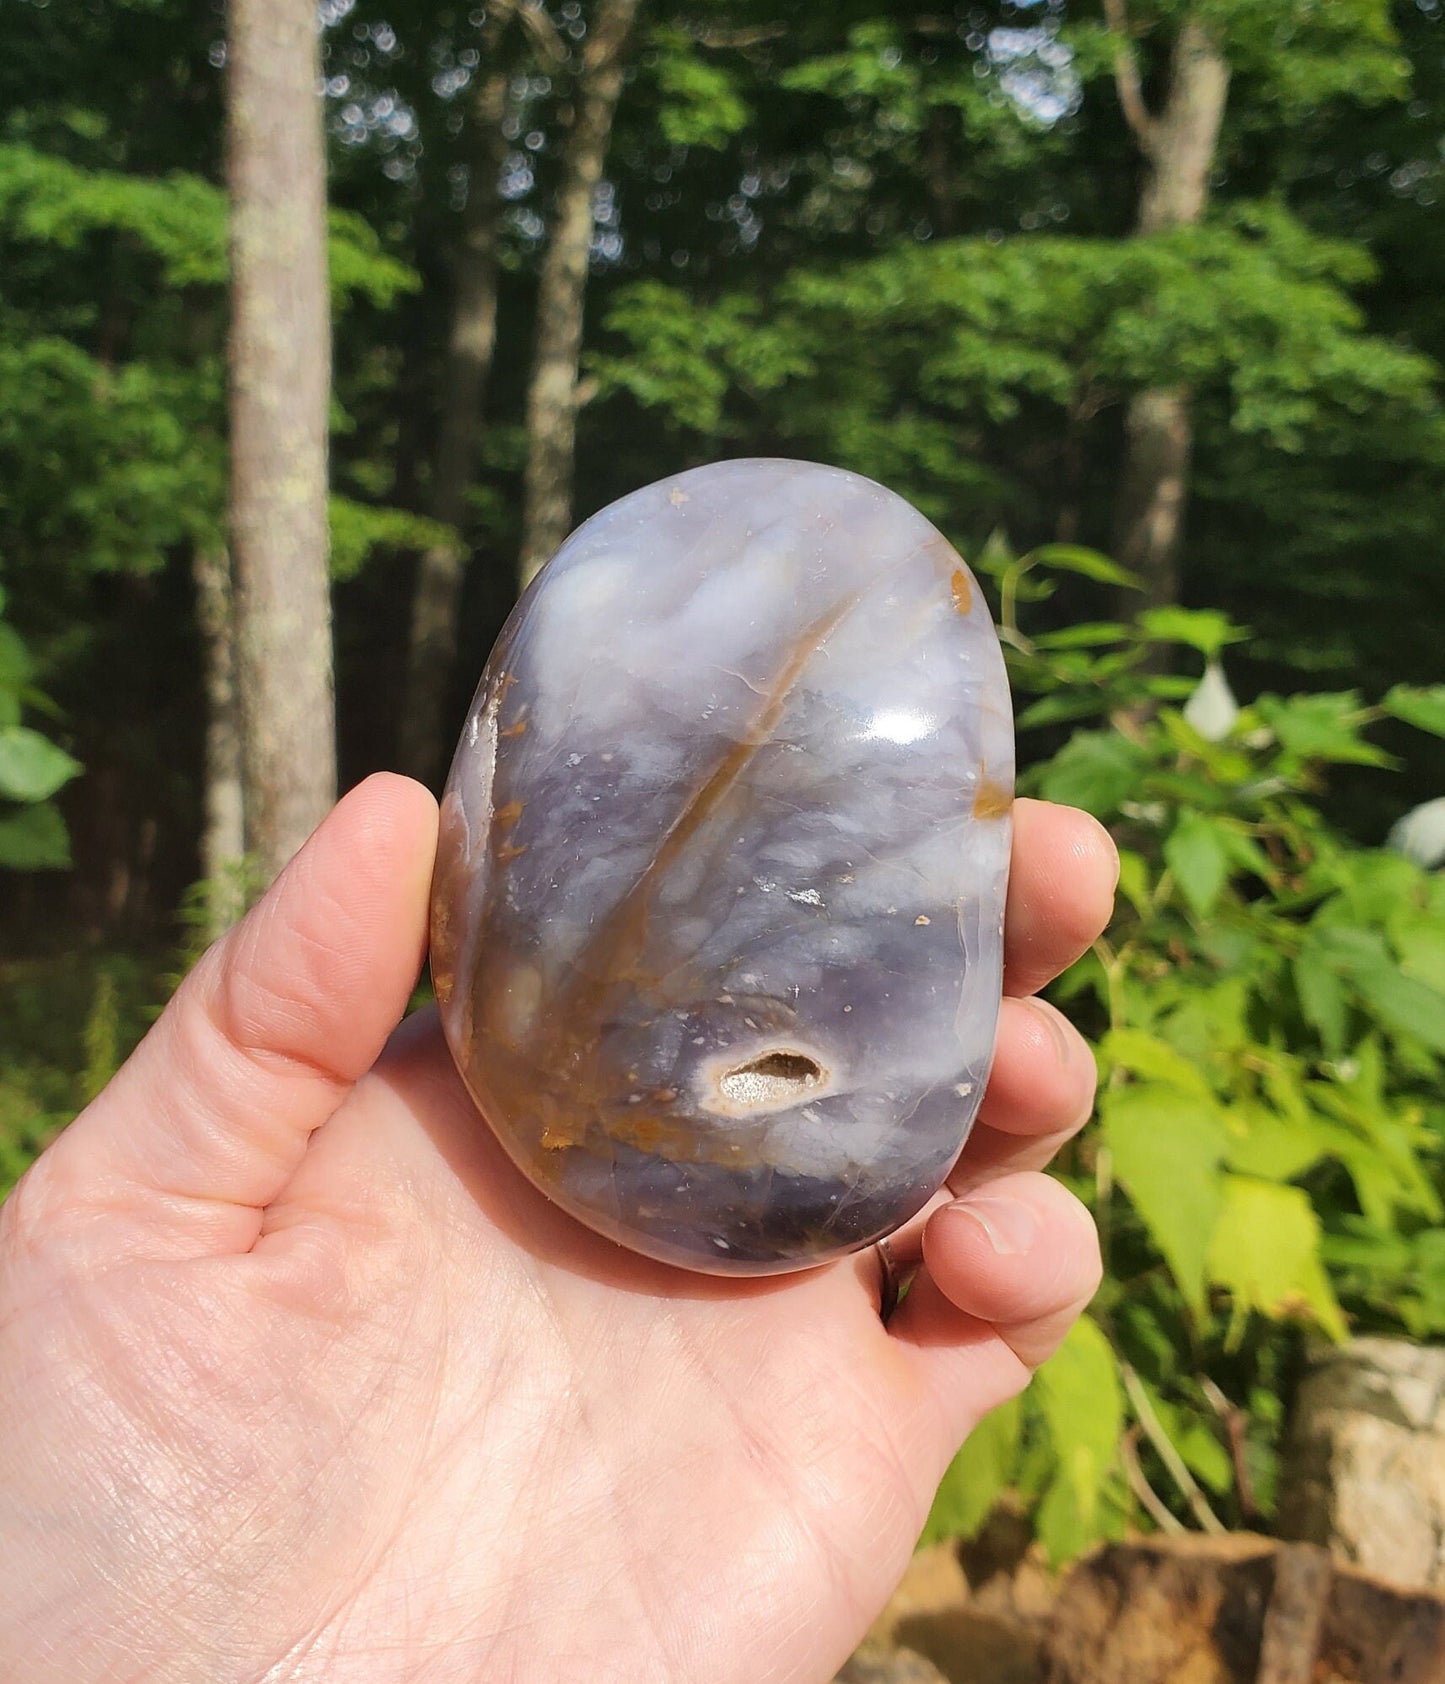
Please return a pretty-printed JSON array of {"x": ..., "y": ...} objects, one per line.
[
  {"x": 1168, "y": 1454},
  {"x": 742, "y": 38},
  {"x": 1233, "y": 1418},
  {"x": 1142, "y": 122},
  {"x": 1142, "y": 1489}
]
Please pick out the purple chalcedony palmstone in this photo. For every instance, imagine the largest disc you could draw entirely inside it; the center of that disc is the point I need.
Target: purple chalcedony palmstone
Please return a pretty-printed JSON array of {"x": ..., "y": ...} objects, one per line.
[{"x": 717, "y": 922}]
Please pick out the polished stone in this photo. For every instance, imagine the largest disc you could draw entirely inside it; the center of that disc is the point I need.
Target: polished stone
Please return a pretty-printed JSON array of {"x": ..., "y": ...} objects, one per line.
[{"x": 717, "y": 922}]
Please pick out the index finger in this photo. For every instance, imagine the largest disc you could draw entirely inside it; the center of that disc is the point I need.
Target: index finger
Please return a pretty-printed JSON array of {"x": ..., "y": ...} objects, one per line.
[{"x": 1060, "y": 895}]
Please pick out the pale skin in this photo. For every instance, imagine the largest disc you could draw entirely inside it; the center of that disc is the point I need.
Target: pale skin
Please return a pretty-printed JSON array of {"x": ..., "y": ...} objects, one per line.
[{"x": 300, "y": 1380}]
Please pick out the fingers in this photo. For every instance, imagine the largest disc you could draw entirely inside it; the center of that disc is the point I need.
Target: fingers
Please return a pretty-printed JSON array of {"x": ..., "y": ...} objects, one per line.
[
  {"x": 211, "y": 1115},
  {"x": 1043, "y": 1074},
  {"x": 1040, "y": 1094},
  {"x": 1007, "y": 1270},
  {"x": 1061, "y": 892}
]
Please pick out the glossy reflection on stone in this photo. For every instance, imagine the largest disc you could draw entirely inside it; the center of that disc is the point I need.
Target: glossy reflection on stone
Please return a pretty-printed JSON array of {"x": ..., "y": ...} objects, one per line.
[{"x": 717, "y": 922}]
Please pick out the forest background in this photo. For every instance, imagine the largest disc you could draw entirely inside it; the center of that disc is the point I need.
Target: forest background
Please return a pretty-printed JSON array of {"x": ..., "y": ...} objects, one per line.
[{"x": 1144, "y": 305}]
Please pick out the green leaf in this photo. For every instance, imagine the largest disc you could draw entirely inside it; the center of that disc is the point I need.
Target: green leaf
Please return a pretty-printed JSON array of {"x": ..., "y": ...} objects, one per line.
[
  {"x": 32, "y": 768},
  {"x": 1266, "y": 1254},
  {"x": 1204, "y": 629},
  {"x": 977, "y": 1476},
  {"x": 1206, "y": 1457},
  {"x": 1423, "y": 707},
  {"x": 1087, "y": 634},
  {"x": 1403, "y": 1004},
  {"x": 359, "y": 528},
  {"x": 1167, "y": 1146},
  {"x": 1095, "y": 770},
  {"x": 15, "y": 662},
  {"x": 34, "y": 839},
  {"x": 1322, "y": 727},
  {"x": 1146, "y": 1055},
  {"x": 1321, "y": 997},
  {"x": 1078, "y": 1393},
  {"x": 1421, "y": 948},
  {"x": 1199, "y": 858},
  {"x": 1074, "y": 558},
  {"x": 1273, "y": 1146},
  {"x": 1061, "y": 707}
]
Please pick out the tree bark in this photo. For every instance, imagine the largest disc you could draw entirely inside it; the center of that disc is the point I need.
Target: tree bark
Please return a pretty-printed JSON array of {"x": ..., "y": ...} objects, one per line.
[
  {"x": 432, "y": 646},
  {"x": 1179, "y": 145},
  {"x": 552, "y": 396},
  {"x": 223, "y": 826},
  {"x": 280, "y": 362}
]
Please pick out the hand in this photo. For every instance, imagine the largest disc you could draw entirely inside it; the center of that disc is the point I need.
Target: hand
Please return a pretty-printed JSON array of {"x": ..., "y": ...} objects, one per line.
[{"x": 300, "y": 1380}]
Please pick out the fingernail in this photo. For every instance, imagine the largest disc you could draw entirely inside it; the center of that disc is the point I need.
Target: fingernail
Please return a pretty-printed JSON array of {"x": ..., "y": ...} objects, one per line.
[
  {"x": 1083, "y": 849},
  {"x": 1113, "y": 853},
  {"x": 1054, "y": 1022},
  {"x": 1008, "y": 1224}
]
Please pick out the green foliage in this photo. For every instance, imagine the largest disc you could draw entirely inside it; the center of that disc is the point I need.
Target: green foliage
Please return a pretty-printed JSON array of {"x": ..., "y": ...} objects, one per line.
[
  {"x": 1269, "y": 1016},
  {"x": 699, "y": 102},
  {"x": 1078, "y": 1396},
  {"x": 32, "y": 768},
  {"x": 359, "y": 529},
  {"x": 1058, "y": 1445},
  {"x": 955, "y": 342},
  {"x": 179, "y": 219},
  {"x": 982, "y": 1472},
  {"x": 66, "y": 1025},
  {"x": 698, "y": 355}
]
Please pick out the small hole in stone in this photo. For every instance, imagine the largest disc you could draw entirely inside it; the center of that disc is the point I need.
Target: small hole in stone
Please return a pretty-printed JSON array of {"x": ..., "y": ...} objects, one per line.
[{"x": 775, "y": 1079}]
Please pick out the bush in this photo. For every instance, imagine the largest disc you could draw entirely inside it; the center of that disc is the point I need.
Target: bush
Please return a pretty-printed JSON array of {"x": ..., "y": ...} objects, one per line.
[
  {"x": 66, "y": 1025},
  {"x": 1268, "y": 1013}
]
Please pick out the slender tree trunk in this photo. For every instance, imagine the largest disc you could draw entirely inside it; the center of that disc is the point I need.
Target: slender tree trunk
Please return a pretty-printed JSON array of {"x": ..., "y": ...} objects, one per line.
[
  {"x": 280, "y": 357},
  {"x": 432, "y": 647},
  {"x": 552, "y": 397},
  {"x": 223, "y": 826},
  {"x": 1180, "y": 146}
]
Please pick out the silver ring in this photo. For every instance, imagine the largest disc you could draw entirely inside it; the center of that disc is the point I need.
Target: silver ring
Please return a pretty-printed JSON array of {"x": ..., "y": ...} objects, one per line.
[{"x": 892, "y": 1281}]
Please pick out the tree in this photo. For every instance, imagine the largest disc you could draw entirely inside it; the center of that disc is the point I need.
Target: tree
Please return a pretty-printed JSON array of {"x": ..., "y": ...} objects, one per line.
[
  {"x": 471, "y": 341},
  {"x": 552, "y": 396},
  {"x": 1291, "y": 57},
  {"x": 1179, "y": 146},
  {"x": 280, "y": 386},
  {"x": 223, "y": 788}
]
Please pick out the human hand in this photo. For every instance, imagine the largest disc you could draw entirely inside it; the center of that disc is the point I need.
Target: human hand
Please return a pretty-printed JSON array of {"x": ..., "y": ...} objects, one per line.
[{"x": 301, "y": 1380}]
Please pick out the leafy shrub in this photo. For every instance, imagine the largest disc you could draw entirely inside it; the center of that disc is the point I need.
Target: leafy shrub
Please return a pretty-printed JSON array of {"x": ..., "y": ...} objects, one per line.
[
  {"x": 1268, "y": 1013},
  {"x": 32, "y": 768},
  {"x": 66, "y": 1024}
]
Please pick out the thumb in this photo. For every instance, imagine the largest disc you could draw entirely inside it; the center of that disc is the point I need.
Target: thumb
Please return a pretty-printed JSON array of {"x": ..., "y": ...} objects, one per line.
[{"x": 209, "y": 1118}]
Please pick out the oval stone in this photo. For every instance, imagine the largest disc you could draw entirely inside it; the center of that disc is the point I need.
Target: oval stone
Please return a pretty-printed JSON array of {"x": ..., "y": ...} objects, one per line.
[{"x": 717, "y": 920}]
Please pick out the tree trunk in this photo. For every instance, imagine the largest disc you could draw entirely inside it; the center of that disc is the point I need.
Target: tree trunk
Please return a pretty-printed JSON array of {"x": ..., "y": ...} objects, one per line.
[
  {"x": 432, "y": 647},
  {"x": 280, "y": 360},
  {"x": 552, "y": 397},
  {"x": 223, "y": 828},
  {"x": 1153, "y": 485},
  {"x": 1180, "y": 146}
]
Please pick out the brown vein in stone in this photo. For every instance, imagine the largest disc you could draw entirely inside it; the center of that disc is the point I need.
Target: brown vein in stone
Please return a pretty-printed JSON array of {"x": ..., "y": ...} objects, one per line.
[
  {"x": 618, "y": 945},
  {"x": 992, "y": 799},
  {"x": 569, "y": 1044}
]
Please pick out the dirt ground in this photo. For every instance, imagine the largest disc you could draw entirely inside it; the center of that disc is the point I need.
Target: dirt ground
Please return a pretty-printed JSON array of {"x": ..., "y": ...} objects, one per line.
[{"x": 976, "y": 1614}]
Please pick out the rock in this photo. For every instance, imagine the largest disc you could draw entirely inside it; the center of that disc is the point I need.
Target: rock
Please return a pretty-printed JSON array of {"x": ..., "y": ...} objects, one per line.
[
  {"x": 889, "y": 1666},
  {"x": 718, "y": 908},
  {"x": 982, "y": 1630},
  {"x": 1365, "y": 1468},
  {"x": 1150, "y": 1613},
  {"x": 1237, "y": 1610}
]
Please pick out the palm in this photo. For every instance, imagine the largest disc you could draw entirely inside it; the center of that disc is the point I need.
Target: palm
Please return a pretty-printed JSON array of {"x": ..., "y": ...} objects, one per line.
[{"x": 404, "y": 1420}]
